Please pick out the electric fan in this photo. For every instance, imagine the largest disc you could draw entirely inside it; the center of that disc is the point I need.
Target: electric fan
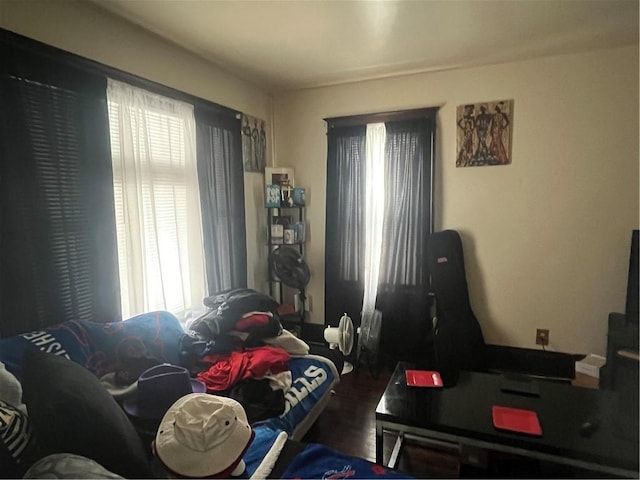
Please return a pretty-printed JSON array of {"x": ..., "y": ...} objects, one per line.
[
  {"x": 289, "y": 266},
  {"x": 342, "y": 337}
]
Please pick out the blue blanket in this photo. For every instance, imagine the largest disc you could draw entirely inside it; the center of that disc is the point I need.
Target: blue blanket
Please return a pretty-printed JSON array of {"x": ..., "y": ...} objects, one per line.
[
  {"x": 153, "y": 334},
  {"x": 318, "y": 461},
  {"x": 100, "y": 347},
  {"x": 261, "y": 445},
  {"x": 69, "y": 339},
  {"x": 311, "y": 378},
  {"x": 314, "y": 461}
]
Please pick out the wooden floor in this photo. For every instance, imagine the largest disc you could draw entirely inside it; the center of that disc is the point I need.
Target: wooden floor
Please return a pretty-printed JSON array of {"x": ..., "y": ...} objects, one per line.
[{"x": 348, "y": 425}]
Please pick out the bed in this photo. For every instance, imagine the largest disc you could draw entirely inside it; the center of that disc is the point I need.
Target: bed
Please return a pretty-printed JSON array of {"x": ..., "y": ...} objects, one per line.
[
  {"x": 69, "y": 410},
  {"x": 103, "y": 348}
]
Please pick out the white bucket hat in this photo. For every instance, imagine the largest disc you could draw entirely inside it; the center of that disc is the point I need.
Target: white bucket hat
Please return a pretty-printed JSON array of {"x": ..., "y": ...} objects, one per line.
[{"x": 203, "y": 435}]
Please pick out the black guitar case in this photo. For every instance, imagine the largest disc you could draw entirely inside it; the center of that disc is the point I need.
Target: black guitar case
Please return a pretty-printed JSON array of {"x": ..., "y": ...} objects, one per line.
[{"x": 458, "y": 340}]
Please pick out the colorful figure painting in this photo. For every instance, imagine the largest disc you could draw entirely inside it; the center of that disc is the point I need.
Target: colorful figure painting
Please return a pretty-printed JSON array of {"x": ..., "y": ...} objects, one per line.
[
  {"x": 254, "y": 144},
  {"x": 484, "y": 133}
]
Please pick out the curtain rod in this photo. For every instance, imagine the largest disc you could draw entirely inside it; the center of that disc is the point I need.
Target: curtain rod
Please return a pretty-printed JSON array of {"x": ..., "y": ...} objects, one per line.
[
  {"x": 77, "y": 61},
  {"x": 362, "y": 119}
]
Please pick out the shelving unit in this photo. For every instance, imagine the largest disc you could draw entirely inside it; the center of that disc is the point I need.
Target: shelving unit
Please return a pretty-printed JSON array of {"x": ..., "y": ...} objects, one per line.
[{"x": 294, "y": 216}]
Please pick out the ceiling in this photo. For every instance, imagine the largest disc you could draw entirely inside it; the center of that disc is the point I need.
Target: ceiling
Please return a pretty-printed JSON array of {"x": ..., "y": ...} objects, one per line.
[{"x": 295, "y": 44}]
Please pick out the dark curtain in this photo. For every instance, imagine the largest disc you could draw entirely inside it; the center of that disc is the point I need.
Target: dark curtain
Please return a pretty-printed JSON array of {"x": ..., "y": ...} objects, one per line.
[
  {"x": 404, "y": 281},
  {"x": 221, "y": 179},
  {"x": 344, "y": 237},
  {"x": 404, "y": 284},
  {"x": 58, "y": 253}
]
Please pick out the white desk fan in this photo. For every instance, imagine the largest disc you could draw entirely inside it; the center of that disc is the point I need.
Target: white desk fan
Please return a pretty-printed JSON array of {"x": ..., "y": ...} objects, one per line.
[{"x": 342, "y": 337}]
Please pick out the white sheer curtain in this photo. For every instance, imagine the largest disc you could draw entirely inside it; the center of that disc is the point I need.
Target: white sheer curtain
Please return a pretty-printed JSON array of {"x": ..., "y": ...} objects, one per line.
[
  {"x": 374, "y": 214},
  {"x": 160, "y": 250}
]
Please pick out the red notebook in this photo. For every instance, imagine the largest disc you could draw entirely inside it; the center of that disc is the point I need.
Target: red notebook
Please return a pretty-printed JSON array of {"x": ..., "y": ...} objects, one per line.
[
  {"x": 423, "y": 378},
  {"x": 516, "y": 420}
]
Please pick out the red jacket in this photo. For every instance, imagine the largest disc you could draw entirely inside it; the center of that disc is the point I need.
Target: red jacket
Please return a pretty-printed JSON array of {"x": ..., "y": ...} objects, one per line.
[{"x": 228, "y": 369}]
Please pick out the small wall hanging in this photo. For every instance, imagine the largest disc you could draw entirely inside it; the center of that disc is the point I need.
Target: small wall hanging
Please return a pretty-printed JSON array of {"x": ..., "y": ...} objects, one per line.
[
  {"x": 484, "y": 133},
  {"x": 254, "y": 144}
]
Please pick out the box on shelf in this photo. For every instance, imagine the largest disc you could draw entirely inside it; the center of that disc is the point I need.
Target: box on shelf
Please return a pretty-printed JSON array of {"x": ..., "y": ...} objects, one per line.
[
  {"x": 299, "y": 194},
  {"x": 289, "y": 236},
  {"x": 272, "y": 196},
  {"x": 588, "y": 371},
  {"x": 277, "y": 234},
  {"x": 299, "y": 229},
  {"x": 590, "y": 365}
]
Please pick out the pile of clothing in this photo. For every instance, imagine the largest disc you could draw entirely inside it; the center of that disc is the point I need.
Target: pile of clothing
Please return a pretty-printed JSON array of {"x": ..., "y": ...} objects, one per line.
[
  {"x": 242, "y": 310},
  {"x": 239, "y": 349}
]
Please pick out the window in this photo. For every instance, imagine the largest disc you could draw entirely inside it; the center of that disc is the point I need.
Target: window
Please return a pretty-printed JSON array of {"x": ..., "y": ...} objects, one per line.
[
  {"x": 379, "y": 216},
  {"x": 157, "y": 204},
  {"x": 68, "y": 147}
]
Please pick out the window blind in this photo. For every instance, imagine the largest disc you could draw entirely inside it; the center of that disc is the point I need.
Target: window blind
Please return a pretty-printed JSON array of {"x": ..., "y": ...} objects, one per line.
[{"x": 57, "y": 252}]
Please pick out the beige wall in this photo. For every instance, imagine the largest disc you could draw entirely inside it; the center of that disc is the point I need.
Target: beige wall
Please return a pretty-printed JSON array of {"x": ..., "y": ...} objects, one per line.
[
  {"x": 81, "y": 28},
  {"x": 547, "y": 238}
]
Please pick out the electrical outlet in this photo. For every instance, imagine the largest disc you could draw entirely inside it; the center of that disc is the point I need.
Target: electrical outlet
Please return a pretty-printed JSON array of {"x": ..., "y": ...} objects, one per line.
[{"x": 542, "y": 336}]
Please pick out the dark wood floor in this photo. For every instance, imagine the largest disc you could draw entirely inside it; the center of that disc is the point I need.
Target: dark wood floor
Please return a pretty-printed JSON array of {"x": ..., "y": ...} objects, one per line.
[{"x": 348, "y": 425}]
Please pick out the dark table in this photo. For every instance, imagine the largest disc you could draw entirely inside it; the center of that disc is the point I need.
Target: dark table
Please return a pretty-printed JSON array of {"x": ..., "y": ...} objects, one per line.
[{"x": 460, "y": 415}]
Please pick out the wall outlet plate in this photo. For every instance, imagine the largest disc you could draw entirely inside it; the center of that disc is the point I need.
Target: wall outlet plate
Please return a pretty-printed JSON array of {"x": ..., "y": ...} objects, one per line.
[{"x": 542, "y": 336}]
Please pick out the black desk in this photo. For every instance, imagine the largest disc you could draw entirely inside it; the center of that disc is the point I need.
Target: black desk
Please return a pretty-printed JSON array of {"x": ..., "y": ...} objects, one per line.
[{"x": 460, "y": 415}]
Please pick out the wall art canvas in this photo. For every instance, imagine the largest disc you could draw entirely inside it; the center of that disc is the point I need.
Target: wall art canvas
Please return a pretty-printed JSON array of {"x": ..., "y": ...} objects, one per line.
[
  {"x": 254, "y": 143},
  {"x": 484, "y": 133}
]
